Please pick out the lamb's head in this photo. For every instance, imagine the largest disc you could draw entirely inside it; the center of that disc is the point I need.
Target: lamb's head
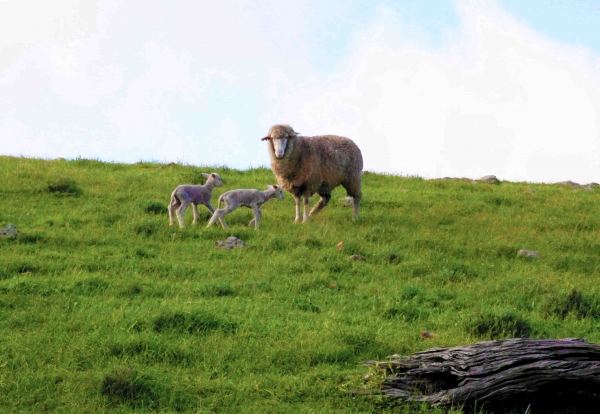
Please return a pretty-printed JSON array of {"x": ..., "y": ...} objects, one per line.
[
  {"x": 278, "y": 190},
  {"x": 214, "y": 178},
  {"x": 279, "y": 135}
]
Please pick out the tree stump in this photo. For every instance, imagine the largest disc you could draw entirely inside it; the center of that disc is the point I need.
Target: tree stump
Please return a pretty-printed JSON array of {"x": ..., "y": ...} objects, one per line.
[{"x": 492, "y": 372}]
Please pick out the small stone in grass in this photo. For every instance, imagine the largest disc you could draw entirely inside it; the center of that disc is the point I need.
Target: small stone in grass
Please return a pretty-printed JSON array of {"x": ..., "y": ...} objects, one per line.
[{"x": 527, "y": 253}]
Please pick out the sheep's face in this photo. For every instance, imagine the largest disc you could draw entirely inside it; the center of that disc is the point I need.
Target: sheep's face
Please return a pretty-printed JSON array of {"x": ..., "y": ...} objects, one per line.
[
  {"x": 279, "y": 145},
  {"x": 279, "y": 136},
  {"x": 216, "y": 179},
  {"x": 278, "y": 190}
]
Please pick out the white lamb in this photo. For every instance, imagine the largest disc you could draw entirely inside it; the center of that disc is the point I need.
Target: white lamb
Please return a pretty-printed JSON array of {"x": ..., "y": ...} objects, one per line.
[
  {"x": 247, "y": 198},
  {"x": 187, "y": 194}
]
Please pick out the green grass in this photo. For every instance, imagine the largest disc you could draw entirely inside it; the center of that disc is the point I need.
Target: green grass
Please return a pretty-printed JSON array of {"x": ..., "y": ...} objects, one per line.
[{"x": 104, "y": 307}]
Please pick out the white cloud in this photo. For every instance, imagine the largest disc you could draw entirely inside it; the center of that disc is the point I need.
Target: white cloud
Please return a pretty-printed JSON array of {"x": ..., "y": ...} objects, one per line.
[
  {"x": 25, "y": 23},
  {"x": 141, "y": 107},
  {"x": 497, "y": 98},
  {"x": 202, "y": 82}
]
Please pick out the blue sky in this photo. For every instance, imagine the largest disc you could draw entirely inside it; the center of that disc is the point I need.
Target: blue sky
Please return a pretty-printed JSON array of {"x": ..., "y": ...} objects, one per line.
[{"x": 431, "y": 88}]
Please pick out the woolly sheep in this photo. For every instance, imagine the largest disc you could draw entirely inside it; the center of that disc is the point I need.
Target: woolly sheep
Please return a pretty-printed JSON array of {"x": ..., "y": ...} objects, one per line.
[
  {"x": 308, "y": 165},
  {"x": 247, "y": 198},
  {"x": 187, "y": 194}
]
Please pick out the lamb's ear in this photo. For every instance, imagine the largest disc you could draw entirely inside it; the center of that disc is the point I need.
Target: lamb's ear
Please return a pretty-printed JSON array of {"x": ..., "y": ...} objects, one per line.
[
  {"x": 268, "y": 186},
  {"x": 213, "y": 175},
  {"x": 265, "y": 138},
  {"x": 297, "y": 133},
  {"x": 275, "y": 187},
  {"x": 205, "y": 175}
]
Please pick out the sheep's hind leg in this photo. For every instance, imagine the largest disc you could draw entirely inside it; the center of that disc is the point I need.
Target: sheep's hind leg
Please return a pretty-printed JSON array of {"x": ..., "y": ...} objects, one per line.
[
  {"x": 222, "y": 212},
  {"x": 172, "y": 206},
  {"x": 355, "y": 206},
  {"x": 353, "y": 190},
  {"x": 217, "y": 216},
  {"x": 179, "y": 212},
  {"x": 325, "y": 197}
]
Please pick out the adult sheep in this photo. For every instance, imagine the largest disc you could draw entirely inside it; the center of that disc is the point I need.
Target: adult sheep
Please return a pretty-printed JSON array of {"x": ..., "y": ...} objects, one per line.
[{"x": 308, "y": 165}]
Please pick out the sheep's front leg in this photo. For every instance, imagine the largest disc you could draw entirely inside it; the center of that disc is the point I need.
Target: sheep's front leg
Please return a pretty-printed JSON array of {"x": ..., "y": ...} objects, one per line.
[
  {"x": 195, "y": 208},
  {"x": 298, "y": 218},
  {"x": 305, "y": 198},
  {"x": 257, "y": 216}
]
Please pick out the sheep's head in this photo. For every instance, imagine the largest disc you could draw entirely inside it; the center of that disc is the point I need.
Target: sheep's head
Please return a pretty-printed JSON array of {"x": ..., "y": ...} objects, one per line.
[
  {"x": 215, "y": 178},
  {"x": 279, "y": 135},
  {"x": 278, "y": 190}
]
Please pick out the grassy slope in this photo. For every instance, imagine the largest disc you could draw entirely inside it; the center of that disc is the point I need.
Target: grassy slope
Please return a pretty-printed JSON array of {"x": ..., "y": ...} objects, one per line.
[{"x": 103, "y": 306}]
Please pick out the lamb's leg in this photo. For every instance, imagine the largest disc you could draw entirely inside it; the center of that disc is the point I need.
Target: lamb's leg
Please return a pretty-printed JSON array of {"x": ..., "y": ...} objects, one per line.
[
  {"x": 195, "y": 208},
  {"x": 210, "y": 207},
  {"x": 221, "y": 213},
  {"x": 257, "y": 215},
  {"x": 325, "y": 197},
  {"x": 184, "y": 205},
  {"x": 306, "y": 214},
  {"x": 172, "y": 206},
  {"x": 216, "y": 216}
]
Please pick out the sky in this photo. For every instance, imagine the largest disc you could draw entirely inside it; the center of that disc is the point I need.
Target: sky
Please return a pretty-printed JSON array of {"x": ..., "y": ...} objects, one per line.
[{"x": 432, "y": 88}]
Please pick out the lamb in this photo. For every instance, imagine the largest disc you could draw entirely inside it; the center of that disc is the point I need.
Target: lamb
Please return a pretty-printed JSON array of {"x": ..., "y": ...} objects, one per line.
[
  {"x": 308, "y": 165},
  {"x": 185, "y": 194},
  {"x": 247, "y": 198}
]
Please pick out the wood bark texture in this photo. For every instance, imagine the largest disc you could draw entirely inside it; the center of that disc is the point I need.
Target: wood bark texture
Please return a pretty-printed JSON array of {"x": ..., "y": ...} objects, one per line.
[{"x": 492, "y": 371}]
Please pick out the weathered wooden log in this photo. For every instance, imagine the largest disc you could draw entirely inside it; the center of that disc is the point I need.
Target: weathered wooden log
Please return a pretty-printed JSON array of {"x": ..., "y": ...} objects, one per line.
[{"x": 492, "y": 372}]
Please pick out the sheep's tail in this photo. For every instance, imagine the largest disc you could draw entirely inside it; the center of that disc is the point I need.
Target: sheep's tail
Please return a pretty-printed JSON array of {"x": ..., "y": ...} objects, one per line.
[{"x": 174, "y": 199}]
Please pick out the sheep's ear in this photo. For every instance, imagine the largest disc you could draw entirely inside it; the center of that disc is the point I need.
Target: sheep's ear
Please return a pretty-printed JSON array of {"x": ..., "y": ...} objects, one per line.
[
  {"x": 275, "y": 187},
  {"x": 213, "y": 175},
  {"x": 297, "y": 133},
  {"x": 206, "y": 175},
  {"x": 265, "y": 138},
  {"x": 268, "y": 186}
]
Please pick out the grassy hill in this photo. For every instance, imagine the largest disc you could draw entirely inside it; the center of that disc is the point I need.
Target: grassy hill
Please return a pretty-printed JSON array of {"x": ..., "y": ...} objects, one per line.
[{"x": 104, "y": 307}]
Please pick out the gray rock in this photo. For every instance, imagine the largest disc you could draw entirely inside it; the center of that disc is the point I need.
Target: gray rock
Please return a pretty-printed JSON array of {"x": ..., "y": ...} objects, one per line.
[
  {"x": 230, "y": 244},
  {"x": 348, "y": 201},
  {"x": 465, "y": 179},
  {"x": 491, "y": 179},
  {"x": 527, "y": 253},
  {"x": 9, "y": 231},
  {"x": 568, "y": 182}
]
